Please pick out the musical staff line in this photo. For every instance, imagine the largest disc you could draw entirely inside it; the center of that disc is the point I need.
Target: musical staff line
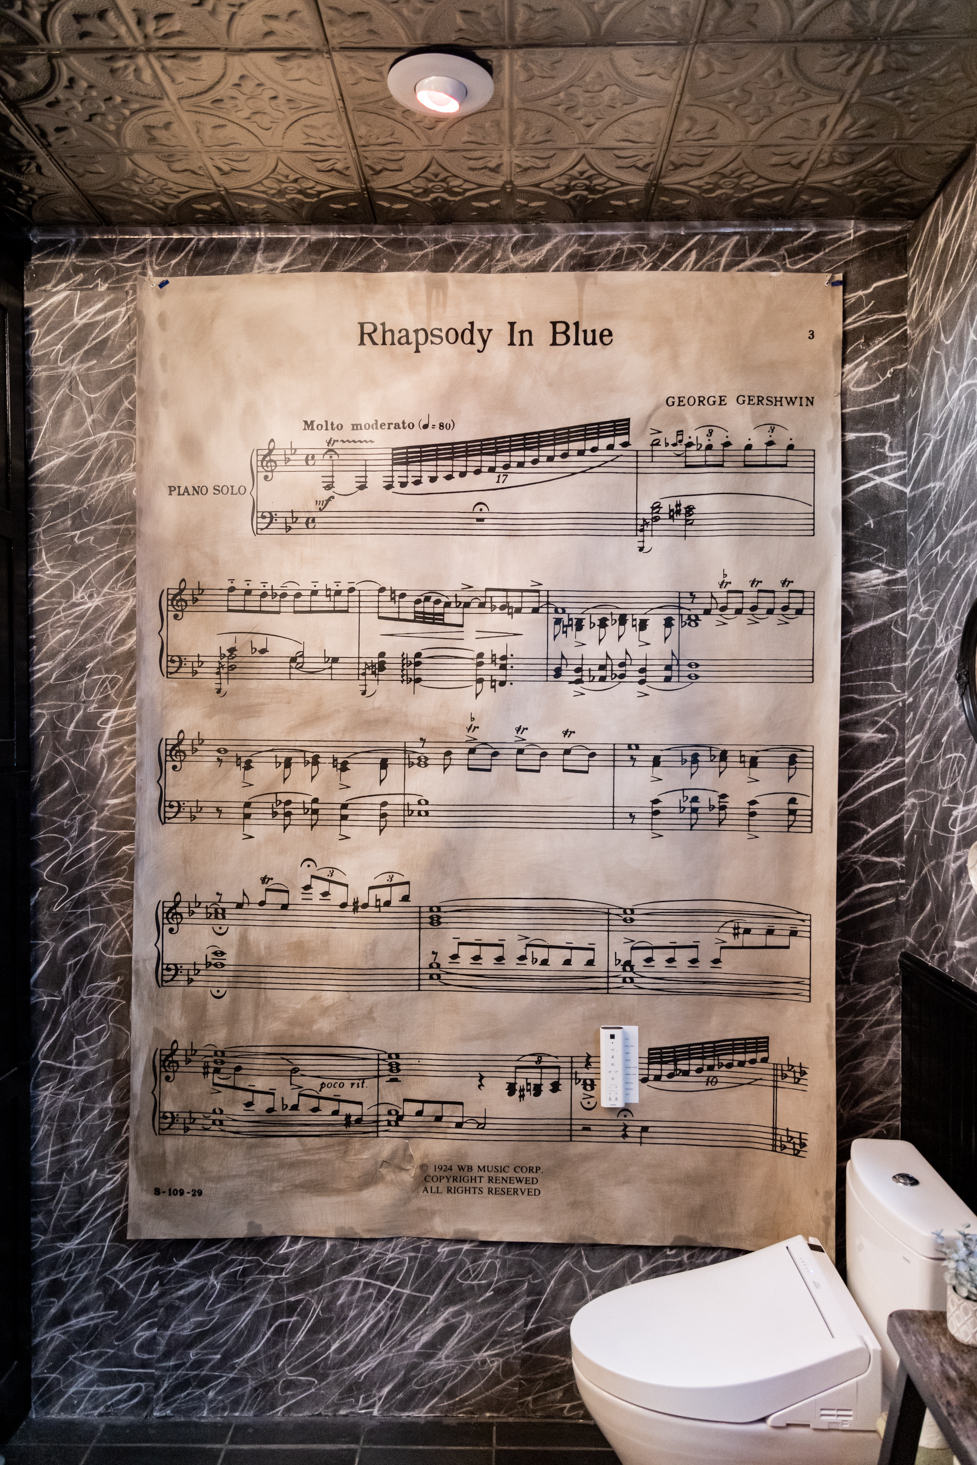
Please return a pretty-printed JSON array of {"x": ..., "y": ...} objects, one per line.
[
  {"x": 762, "y": 488},
  {"x": 325, "y": 1091},
  {"x": 261, "y": 941},
  {"x": 584, "y": 641},
  {"x": 431, "y": 785}
]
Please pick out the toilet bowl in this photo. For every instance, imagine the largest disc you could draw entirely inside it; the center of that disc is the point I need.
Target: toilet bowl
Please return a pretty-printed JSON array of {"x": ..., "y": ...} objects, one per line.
[
  {"x": 763, "y": 1360},
  {"x": 769, "y": 1358}
]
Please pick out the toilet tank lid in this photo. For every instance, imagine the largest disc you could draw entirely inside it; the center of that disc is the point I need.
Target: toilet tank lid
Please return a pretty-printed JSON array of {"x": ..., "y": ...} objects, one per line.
[
  {"x": 911, "y": 1212},
  {"x": 732, "y": 1342}
]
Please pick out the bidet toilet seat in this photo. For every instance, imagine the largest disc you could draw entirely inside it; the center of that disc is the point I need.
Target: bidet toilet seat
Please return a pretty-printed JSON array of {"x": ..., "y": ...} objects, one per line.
[
  {"x": 644, "y": 1437},
  {"x": 759, "y": 1336}
]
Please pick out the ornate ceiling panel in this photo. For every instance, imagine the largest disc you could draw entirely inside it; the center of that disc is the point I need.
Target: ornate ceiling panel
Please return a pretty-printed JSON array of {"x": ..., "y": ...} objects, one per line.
[{"x": 220, "y": 111}]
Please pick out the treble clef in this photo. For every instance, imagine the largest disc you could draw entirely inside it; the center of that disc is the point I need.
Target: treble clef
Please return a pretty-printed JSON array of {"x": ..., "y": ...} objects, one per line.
[
  {"x": 267, "y": 462},
  {"x": 172, "y": 914},
  {"x": 178, "y": 601},
  {"x": 170, "y": 1064},
  {"x": 177, "y": 752}
]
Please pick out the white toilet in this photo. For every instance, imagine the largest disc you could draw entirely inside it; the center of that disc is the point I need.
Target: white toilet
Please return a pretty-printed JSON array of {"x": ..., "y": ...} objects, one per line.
[
  {"x": 767, "y": 1358},
  {"x": 895, "y": 1202}
]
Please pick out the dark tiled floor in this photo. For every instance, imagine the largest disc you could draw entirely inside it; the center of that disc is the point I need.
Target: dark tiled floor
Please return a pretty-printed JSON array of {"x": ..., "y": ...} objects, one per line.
[{"x": 347, "y": 1440}]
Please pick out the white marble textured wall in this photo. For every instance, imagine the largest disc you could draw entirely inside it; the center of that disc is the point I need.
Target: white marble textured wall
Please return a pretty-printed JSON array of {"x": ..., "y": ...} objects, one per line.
[
  {"x": 941, "y": 756},
  {"x": 402, "y": 1326}
]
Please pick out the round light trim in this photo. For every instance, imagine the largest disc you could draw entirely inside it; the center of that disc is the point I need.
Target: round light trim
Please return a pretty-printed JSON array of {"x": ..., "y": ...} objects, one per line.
[
  {"x": 441, "y": 93},
  {"x": 465, "y": 81}
]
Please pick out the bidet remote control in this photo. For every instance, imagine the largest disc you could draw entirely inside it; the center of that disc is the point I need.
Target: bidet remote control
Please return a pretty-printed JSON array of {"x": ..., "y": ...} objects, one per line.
[{"x": 618, "y": 1066}]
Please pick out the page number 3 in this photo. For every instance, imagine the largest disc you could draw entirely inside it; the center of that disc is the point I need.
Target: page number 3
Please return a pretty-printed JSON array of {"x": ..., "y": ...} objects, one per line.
[{"x": 810, "y": 335}]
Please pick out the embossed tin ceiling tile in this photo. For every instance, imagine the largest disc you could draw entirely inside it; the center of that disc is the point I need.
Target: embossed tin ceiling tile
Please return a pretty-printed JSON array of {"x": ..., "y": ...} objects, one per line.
[
  {"x": 316, "y": 130},
  {"x": 541, "y": 165},
  {"x": 931, "y": 165},
  {"x": 646, "y": 20},
  {"x": 545, "y": 23},
  {"x": 785, "y": 163},
  {"x": 25, "y": 76},
  {"x": 135, "y": 74},
  {"x": 481, "y": 167},
  {"x": 185, "y": 169},
  {"x": 623, "y": 164},
  {"x": 256, "y": 208},
  {"x": 842, "y": 162},
  {"x": 81, "y": 23},
  {"x": 594, "y": 83},
  {"x": 241, "y": 170},
  {"x": 922, "y": 77},
  {"x": 156, "y": 128},
  {"x": 448, "y": 176},
  {"x": 61, "y": 208},
  {"x": 721, "y": 126},
  {"x": 807, "y": 125},
  {"x": 885, "y": 193},
  {"x": 61, "y": 134},
  {"x": 380, "y": 129},
  {"x": 30, "y": 187},
  {"x": 301, "y": 73},
  {"x": 586, "y": 192},
  {"x": 909, "y": 63},
  {"x": 676, "y": 202},
  {"x": 717, "y": 184},
  {"x": 652, "y": 72},
  {"x": 201, "y": 208},
  {"x": 339, "y": 208},
  {"x": 531, "y": 206},
  {"x": 439, "y": 186},
  {"x": 22, "y": 24},
  {"x": 828, "y": 19},
  {"x": 94, "y": 172},
  {"x": 285, "y": 196},
  {"x": 329, "y": 168},
  {"x": 415, "y": 22},
  {"x": 536, "y": 128},
  {"x": 484, "y": 207},
  {"x": 219, "y": 23},
  {"x": 217, "y": 132},
  {"x": 870, "y": 122},
  {"x": 932, "y": 17},
  {"x": 291, "y": 23},
  {"x": 399, "y": 208},
  {"x": 478, "y": 129},
  {"x": 642, "y": 129},
  {"x": 269, "y": 110},
  {"x": 386, "y": 168},
  {"x": 762, "y": 82}
]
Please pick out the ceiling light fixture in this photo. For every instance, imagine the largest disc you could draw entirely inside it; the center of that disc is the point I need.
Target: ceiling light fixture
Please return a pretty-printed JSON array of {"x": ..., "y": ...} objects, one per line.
[{"x": 449, "y": 82}]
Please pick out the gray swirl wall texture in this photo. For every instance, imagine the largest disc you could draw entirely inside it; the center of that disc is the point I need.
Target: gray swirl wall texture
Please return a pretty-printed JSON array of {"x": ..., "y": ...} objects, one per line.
[
  {"x": 298, "y": 1325},
  {"x": 941, "y": 756}
]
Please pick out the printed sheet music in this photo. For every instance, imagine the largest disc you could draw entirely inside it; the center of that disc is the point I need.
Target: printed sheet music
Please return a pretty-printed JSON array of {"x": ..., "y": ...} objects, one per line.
[{"x": 487, "y": 695}]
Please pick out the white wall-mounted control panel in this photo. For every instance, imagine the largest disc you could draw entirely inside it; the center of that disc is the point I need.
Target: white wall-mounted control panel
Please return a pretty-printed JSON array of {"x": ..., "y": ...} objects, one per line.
[{"x": 618, "y": 1066}]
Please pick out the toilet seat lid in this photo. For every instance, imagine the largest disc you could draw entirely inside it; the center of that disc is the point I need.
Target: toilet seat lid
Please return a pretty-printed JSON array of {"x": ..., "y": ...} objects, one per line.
[{"x": 733, "y": 1342}]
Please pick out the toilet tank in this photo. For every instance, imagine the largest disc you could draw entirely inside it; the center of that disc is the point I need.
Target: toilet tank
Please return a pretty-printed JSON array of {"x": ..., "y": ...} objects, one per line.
[{"x": 893, "y": 1259}]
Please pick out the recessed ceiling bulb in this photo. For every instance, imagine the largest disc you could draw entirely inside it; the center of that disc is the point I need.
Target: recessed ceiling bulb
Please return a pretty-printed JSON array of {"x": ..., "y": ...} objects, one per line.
[
  {"x": 441, "y": 93},
  {"x": 449, "y": 82}
]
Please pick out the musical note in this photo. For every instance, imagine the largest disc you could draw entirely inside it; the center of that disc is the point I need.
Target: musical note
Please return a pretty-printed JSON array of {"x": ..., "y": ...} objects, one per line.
[
  {"x": 328, "y": 1091},
  {"x": 727, "y": 491},
  {"x": 584, "y": 641},
  {"x": 492, "y": 946},
  {"x": 363, "y": 786}
]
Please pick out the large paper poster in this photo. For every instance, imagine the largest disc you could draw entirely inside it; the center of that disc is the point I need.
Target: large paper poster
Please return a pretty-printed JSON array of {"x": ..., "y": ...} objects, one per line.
[{"x": 488, "y": 695}]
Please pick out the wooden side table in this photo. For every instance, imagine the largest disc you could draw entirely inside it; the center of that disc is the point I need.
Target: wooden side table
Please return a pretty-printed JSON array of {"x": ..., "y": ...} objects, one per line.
[{"x": 935, "y": 1373}]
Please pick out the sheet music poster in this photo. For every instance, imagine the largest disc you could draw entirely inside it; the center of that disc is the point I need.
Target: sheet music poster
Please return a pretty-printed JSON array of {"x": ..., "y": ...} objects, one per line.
[{"x": 488, "y": 694}]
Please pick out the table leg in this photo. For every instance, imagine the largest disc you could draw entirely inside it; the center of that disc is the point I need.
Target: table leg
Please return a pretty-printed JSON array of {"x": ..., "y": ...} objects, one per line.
[{"x": 905, "y": 1421}]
